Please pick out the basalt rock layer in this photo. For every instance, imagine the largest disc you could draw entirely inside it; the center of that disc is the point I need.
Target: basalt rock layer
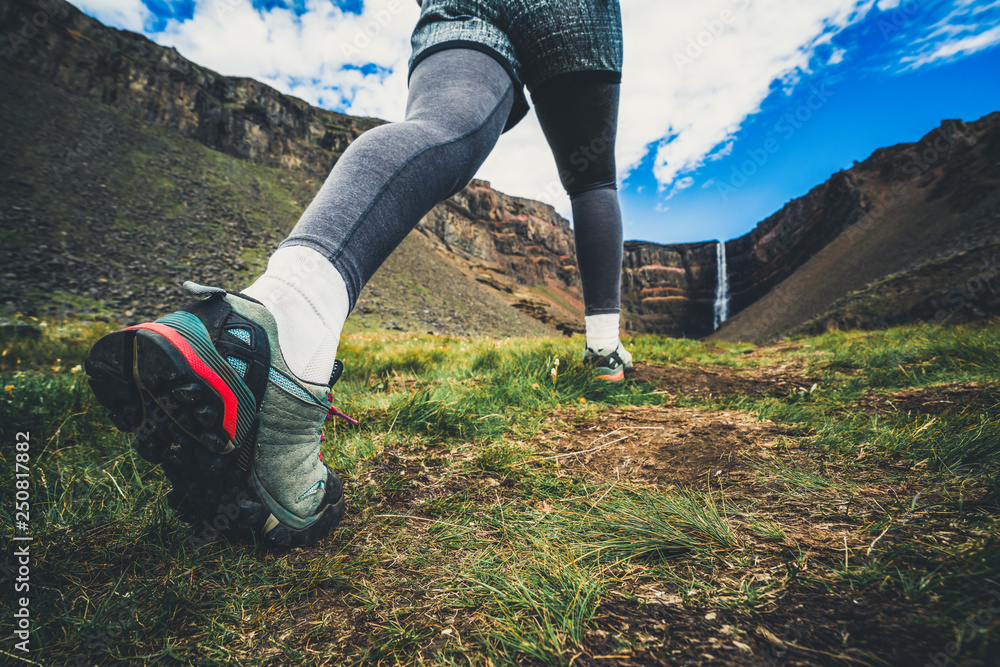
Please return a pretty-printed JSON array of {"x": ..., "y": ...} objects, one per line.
[{"x": 669, "y": 288}]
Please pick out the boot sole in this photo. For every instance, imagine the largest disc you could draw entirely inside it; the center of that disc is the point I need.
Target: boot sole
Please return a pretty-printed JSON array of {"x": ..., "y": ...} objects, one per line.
[{"x": 182, "y": 413}]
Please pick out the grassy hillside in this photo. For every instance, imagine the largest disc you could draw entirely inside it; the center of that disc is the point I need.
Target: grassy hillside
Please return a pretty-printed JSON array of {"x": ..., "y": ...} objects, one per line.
[
  {"x": 830, "y": 500},
  {"x": 110, "y": 224},
  {"x": 958, "y": 288}
]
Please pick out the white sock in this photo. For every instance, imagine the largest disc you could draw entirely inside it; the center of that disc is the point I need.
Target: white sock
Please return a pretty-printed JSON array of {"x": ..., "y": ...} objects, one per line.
[
  {"x": 308, "y": 298},
  {"x": 602, "y": 332}
]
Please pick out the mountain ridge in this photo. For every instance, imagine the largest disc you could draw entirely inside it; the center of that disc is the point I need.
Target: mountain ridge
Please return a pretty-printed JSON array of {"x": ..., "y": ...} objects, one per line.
[
  {"x": 102, "y": 88},
  {"x": 133, "y": 78},
  {"x": 921, "y": 204}
]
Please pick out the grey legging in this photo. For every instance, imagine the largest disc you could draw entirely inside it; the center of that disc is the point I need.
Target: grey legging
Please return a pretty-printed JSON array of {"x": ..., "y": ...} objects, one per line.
[{"x": 458, "y": 103}]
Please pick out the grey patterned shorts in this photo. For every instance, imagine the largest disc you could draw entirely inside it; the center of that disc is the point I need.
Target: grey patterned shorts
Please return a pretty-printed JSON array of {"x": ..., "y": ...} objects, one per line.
[{"x": 537, "y": 41}]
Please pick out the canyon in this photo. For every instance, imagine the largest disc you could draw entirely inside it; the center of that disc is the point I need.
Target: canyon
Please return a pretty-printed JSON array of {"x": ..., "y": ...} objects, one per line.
[{"x": 118, "y": 149}]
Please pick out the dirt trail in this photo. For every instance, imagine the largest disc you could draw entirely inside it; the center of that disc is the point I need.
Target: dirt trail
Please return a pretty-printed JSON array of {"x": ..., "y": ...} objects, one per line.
[
  {"x": 801, "y": 613},
  {"x": 718, "y": 381},
  {"x": 662, "y": 445},
  {"x": 724, "y": 453}
]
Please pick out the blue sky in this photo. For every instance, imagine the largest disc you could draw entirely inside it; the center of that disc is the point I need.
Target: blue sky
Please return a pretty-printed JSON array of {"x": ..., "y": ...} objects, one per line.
[
  {"x": 730, "y": 108},
  {"x": 864, "y": 102}
]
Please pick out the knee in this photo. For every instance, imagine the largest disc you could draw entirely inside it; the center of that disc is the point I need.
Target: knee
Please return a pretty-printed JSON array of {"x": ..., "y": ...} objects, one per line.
[
  {"x": 597, "y": 206},
  {"x": 577, "y": 187},
  {"x": 589, "y": 167},
  {"x": 447, "y": 149}
]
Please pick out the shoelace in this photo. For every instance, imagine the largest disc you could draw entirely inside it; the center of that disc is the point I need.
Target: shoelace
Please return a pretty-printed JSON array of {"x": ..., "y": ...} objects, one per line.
[
  {"x": 338, "y": 368},
  {"x": 334, "y": 412}
]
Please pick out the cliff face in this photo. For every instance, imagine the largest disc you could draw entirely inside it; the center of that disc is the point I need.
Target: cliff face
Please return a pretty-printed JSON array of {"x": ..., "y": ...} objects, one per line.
[
  {"x": 899, "y": 213},
  {"x": 525, "y": 239},
  {"x": 672, "y": 288},
  {"x": 92, "y": 171},
  {"x": 521, "y": 248},
  {"x": 669, "y": 288},
  {"x": 518, "y": 244},
  {"x": 920, "y": 244},
  {"x": 779, "y": 245},
  {"x": 237, "y": 116}
]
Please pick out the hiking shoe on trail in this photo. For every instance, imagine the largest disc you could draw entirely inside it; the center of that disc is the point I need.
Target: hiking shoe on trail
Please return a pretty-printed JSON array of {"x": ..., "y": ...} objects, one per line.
[
  {"x": 209, "y": 397},
  {"x": 609, "y": 365}
]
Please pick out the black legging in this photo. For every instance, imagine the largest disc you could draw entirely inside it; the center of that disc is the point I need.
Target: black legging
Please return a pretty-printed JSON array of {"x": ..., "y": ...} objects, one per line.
[
  {"x": 458, "y": 103},
  {"x": 580, "y": 120}
]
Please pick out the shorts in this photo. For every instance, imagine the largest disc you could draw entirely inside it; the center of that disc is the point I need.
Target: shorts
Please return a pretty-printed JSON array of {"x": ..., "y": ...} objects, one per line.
[{"x": 536, "y": 41}]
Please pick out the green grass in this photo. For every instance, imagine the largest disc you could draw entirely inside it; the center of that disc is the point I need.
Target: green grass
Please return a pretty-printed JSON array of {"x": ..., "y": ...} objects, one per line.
[
  {"x": 535, "y": 608},
  {"x": 644, "y": 524},
  {"x": 468, "y": 541}
]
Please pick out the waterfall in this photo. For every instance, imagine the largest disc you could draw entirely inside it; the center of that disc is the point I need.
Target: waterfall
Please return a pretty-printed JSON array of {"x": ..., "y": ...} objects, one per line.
[{"x": 722, "y": 288}]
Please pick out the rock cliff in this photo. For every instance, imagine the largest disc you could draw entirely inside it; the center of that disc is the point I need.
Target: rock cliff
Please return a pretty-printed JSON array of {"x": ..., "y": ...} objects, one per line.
[
  {"x": 96, "y": 176},
  {"x": 780, "y": 244},
  {"x": 672, "y": 288},
  {"x": 237, "y": 116},
  {"x": 925, "y": 213},
  {"x": 522, "y": 250},
  {"x": 909, "y": 234},
  {"x": 669, "y": 288}
]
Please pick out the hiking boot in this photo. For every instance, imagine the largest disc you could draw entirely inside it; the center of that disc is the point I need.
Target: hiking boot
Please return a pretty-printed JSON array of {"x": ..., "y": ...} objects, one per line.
[
  {"x": 609, "y": 365},
  {"x": 209, "y": 397}
]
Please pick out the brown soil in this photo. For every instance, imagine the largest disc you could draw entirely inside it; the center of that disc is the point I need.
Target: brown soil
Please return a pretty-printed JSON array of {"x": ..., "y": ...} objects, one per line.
[
  {"x": 938, "y": 400},
  {"x": 662, "y": 445},
  {"x": 805, "y": 629},
  {"x": 719, "y": 381}
]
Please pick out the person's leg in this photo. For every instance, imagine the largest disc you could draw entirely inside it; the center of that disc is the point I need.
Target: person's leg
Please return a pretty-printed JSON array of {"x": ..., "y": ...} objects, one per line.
[
  {"x": 579, "y": 119},
  {"x": 386, "y": 181},
  {"x": 381, "y": 187},
  {"x": 230, "y": 393}
]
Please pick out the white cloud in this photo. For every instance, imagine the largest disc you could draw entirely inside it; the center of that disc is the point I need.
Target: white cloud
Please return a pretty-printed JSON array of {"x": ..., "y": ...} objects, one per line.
[
  {"x": 128, "y": 14},
  {"x": 522, "y": 165},
  {"x": 679, "y": 186},
  {"x": 306, "y": 55},
  {"x": 725, "y": 151},
  {"x": 686, "y": 80},
  {"x": 960, "y": 47},
  {"x": 968, "y": 28},
  {"x": 698, "y": 97}
]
